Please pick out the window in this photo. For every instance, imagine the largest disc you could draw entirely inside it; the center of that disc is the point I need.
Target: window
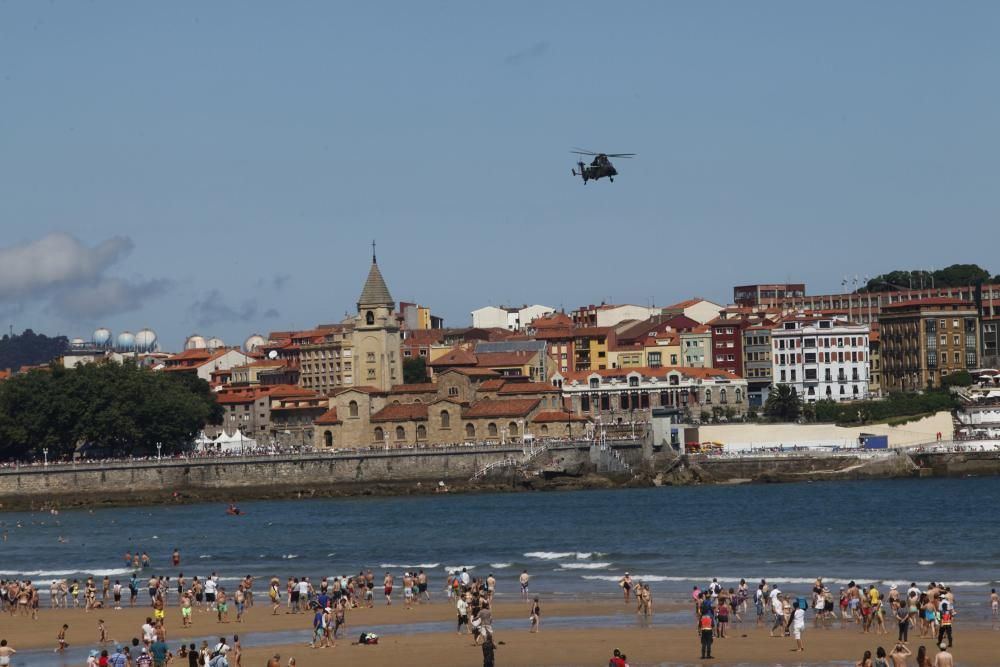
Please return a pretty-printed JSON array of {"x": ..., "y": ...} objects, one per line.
[
  {"x": 470, "y": 431},
  {"x": 739, "y": 395},
  {"x": 328, "y": 439},
  {"x": 370, "y": 357},
  {"x": 352, "y": 408},
  {"x": 491, "y": 430},
  {"x": 654, "y": 360},
  {"x": 512, "y": 429},
  {"x": 810, "y": 373},
  {"x": 633, "y": 381},
  {"x": 379, "y": 434},
  {"x": 371, "y": 373},
  {"x": 400, "y": 433},
  {"x": 369, "y": 318},
  {"x": 421, "y": 432},
  {"x": 722, "y": 396},
  {"x": 445, "y": 419},
  {"x": 708, "y": 396},
  {"x": 545, "y": 429},
  {"x": 453, "y": 391},
  {"x": 782, "y": 375}
]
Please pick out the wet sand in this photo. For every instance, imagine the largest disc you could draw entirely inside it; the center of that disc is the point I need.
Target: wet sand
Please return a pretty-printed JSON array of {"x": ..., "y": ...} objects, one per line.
[{"x": 588, "y": 645}]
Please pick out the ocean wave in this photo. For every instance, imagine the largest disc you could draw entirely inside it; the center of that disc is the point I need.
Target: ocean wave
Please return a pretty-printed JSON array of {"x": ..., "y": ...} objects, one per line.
[
  {"x": 46, "y": 574},
  {"x": 418, "y": 566},
  {"x": 636, "y": 577},
  {"x": 584, "y": 566},
  {"x": 560, "y": 555},
  {"x": 289, "y": 556},
  {"x": 500, "y": 566},
  {"x": 925, "y": 562},
  {"x": 457, "y": 568},
  {"x": 205, "y": 556}
]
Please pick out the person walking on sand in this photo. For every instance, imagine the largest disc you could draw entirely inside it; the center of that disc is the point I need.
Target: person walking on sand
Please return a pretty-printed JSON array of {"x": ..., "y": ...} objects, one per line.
[
  {"x": 626, "y": 584},
  {"x": 387, "y": 588},
  {"x": 61, "y": 638},
  {"x": 797, "y": 623},
  {"x": 536, "y": 616}
]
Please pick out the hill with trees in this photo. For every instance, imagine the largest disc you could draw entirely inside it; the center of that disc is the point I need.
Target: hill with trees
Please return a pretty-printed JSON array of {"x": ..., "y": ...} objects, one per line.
[
  {"x": 29, "y": 349},
  {"x": 956, "y": 275}
]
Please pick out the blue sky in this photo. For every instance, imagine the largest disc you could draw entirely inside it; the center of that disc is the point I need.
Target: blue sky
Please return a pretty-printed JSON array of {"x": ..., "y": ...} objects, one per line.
[{"x": 222, "y": 167}]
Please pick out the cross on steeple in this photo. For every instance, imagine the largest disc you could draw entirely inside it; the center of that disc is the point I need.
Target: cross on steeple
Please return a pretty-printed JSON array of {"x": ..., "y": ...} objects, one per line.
[{"x": 373, "y": 252}]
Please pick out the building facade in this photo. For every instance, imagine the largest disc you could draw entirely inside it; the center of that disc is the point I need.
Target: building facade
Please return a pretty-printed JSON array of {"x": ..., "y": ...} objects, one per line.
[
  {"x": 821, "y": 358},
  {"x": 757, "y": 363},
  {"x": 927, "y": 339}
]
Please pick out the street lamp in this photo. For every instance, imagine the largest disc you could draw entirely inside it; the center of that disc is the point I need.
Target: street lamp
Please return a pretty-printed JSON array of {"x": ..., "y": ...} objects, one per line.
[
  {"x": 45, "y": 453},
  {"x": 159, "y": 446}
]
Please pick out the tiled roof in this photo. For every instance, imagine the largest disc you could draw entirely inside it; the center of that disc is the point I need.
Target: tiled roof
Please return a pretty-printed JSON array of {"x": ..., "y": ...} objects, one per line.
[
  {"x": 401, "y": 412},
  {"x": 476, "y": 372},
  {"x": 687, "y": 303},
  {"x": 492, "y": 385},
  {"x": 557, "y": 416},
  {"x": 328, "y": 417},
  {"x": 364, "y": 389},
  {"x": 493, "y": 359},
  {"x": 375, "y": 292},
  {"x": 422, "y": 388},
  {"x": 527, "y": 388},
  {"x": 509, "y": 407},
  {"x": 932, "y": 301},
  {"x": 455, "y": 357}
]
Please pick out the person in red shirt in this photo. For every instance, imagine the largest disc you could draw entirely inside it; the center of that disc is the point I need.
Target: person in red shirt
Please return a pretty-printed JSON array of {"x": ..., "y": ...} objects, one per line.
[{"x": 616, "y": 659}]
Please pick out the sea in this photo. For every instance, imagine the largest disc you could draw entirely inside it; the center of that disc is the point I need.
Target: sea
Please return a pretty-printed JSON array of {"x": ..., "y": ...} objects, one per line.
[{"x": 572, "y": 544}]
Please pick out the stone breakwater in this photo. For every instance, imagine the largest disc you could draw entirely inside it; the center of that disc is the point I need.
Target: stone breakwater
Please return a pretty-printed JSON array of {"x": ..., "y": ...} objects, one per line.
[{"x": 405, "y": 472}]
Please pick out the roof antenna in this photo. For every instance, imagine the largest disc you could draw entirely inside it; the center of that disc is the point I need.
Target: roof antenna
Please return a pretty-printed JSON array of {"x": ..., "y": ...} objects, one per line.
[{"x": 373, "y": 252}]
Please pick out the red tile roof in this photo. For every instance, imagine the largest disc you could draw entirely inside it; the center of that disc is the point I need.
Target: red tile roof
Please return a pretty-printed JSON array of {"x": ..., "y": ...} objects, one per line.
[
  {"x": 328, "y": 417},
  {"x": 476, "y": 372},
  {"x": 401, "y": 412},
  {"x": 498, "y": 359},
  {"x": 557, "y": 416},
  {"x": 527, "y": 388},
  {"x": 509, "y": 407},
  {"x": 492, "y": 385},
  {"x": 455, "y": 357}
]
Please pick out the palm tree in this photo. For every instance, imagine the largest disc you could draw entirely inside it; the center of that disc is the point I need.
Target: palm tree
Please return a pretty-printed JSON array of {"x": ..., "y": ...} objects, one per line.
[{"x": 783, "y": 404}]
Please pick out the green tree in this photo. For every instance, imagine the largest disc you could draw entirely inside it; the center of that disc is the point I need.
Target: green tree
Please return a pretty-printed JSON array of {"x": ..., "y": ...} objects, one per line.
[
  {"x": 29, "y": 349},
  {"x": 956, "y": 275},
  {"x": 783, "y": 404},
  {"x": 120, "y": 407},
  {"x": 959, "y": 379},
  {"x": 415, "y": 371}
]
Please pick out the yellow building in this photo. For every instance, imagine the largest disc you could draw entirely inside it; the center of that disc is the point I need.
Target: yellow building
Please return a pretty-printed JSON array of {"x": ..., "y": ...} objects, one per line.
[{"x": 590, "y": 348}]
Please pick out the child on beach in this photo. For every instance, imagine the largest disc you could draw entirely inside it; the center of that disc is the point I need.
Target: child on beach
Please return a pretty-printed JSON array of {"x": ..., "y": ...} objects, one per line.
[
  {"x": 536, "y": 615},
  {"x": 61, "y": 638},
  {"x": 102, "y": 632}
]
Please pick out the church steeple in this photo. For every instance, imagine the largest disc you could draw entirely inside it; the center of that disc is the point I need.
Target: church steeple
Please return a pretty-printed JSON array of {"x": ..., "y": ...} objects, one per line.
[{"x": 375, "y": 292}]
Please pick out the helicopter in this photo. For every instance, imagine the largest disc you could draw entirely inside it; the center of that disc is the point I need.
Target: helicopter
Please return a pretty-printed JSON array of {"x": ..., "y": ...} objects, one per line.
[{"x": 599, "y": 167}]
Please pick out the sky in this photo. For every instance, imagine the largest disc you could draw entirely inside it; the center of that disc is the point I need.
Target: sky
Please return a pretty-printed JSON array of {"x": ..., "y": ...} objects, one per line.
[{"x": 223, "y": 167}]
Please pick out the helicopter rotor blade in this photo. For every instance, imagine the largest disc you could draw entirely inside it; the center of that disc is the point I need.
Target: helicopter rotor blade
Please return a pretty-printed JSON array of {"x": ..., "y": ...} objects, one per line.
[
  {"x": 582, "y": 151},
  {"x": 621, "y": 154}
]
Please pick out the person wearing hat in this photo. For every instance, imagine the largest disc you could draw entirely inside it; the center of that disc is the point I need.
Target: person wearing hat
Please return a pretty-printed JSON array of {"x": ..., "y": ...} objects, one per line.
[{"x": 626, "y": 584}]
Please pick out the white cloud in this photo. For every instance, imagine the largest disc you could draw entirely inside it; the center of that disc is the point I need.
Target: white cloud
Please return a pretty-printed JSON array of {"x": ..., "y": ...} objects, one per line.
[
  {"x": 70, "y": 277},
  {"x": 52, "y": 261}
]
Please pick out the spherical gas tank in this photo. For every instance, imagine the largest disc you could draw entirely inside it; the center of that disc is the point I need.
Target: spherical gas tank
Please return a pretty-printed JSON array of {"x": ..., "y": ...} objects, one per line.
[
  {"x": 102, "y": 337},
  {"x": 125, "y": 341},
  {"x": 195, "y": 342}
]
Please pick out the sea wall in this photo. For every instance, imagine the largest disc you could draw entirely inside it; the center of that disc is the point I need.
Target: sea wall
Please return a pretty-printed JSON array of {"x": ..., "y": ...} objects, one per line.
[
  {"x": 768, "y": 435},
  {"x": 240, "y": 477}
]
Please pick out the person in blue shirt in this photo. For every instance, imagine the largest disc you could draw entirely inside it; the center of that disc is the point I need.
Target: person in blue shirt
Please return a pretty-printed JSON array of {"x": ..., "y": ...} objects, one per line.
[
  {"x": 159, "y": 652},
  {"x": 317, "y": 628}
]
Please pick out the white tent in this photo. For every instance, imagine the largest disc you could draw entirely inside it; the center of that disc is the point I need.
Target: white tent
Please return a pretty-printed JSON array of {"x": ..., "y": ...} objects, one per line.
[{"x": 225, "y": 443}]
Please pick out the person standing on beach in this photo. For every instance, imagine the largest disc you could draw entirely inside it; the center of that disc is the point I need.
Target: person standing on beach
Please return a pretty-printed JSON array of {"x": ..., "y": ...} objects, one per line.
[
  {"x": 186, "y": 610},
  {"x": 6, "y": 653},
  {"x": 462, "y": 608},
  {"x": 524, "y": 579},
  {"x": 944, "y": 658},
  {"x": 488, "y": 651},
  {"x": 536, "y": 616},
  {"x": 706, "y": 632},
  {"x": 899, "y": 654},
  {"x": 387, "y": 588},
  {"x": 61, "y": 639}
]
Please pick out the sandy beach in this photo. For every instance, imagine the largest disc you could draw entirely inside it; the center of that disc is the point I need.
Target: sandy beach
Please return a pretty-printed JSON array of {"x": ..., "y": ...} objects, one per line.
[{"x": 586, "y": 645}]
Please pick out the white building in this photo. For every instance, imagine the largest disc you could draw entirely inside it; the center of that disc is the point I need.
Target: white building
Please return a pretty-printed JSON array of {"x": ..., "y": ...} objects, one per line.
[
  {"x": 821, "y": 357},
  {"x": 699, "y": 310},
  {"x": 609, "y": 316},
  {"x": 507, "y": 317}
]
